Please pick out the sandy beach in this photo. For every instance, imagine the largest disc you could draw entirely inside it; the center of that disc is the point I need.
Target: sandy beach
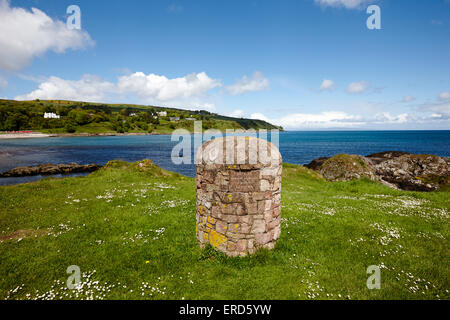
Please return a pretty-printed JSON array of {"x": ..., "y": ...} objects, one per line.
[
  {"x": 46, "y": 135},
  {"x": 23, "y": 135}
]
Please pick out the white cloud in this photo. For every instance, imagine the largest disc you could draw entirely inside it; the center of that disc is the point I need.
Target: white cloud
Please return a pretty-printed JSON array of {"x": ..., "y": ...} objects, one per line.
[
  {"x": 178, "y": 92},
  {"x": 200, "y": 106},
  {"x": 161, "y": 88},
  {"x": 237, "y": 114},
  {"x": 256, "y": 83},
  {"x": 88, "y": 88},
  {"x": 444, "y": 95},
  {"x": 386, "y": 117},
  {"x": 26, "y": 34},
  {"x": 329, "y": 119},
  {"x": 437, "y": 115},
  {"x": 407, "y": 99},
  {"x": 327, "y": 85},
  {"x": 439, "y": 110},
  {"x": 348, "y": 4},
  {"x": 358, "y": 87},
  {"x": 259, "y": 116}
]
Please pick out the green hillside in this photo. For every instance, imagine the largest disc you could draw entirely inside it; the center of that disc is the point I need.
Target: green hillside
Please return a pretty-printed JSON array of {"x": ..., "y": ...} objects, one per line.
[{"x": 85, "y": 117}]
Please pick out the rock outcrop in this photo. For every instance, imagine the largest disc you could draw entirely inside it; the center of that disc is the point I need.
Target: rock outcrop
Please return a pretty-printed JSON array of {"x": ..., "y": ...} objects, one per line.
[
  {"x": 345, "y": 167},
  {"x": 50, "y": 169},
  {"x": 397, "y": 169},
  {"x": 415, "y": 172}
]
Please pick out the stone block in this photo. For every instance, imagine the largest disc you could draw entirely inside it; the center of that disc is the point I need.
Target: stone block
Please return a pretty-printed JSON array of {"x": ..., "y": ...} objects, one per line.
[{"x": 258, "y": 226}]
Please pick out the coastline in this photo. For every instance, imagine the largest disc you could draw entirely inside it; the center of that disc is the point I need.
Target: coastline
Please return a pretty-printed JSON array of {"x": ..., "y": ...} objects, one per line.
[
  {"x": 23, "y": 135},
  {"x": 5, "y": 136}
]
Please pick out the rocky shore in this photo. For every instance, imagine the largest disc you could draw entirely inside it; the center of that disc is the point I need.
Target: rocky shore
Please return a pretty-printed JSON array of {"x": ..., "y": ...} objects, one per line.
[
  {"x": 395, "y": 169},
  {"x": 49, "y": 169}
]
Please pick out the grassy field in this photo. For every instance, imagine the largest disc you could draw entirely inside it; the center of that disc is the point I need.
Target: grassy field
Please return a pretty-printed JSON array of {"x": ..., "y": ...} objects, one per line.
[{"x": 131, "y": 230}]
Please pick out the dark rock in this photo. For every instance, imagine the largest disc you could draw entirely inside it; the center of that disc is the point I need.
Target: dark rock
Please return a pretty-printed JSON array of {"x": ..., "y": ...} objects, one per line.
[
  {"x": 393, "y": 168},
  {"x": 317, "y": 163},
  {"x": 50, "y": 169}
]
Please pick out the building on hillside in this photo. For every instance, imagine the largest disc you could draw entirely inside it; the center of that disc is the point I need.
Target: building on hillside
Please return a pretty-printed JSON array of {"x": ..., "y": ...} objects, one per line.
[
  {"x": 191, "y": 119},
  {"x": 162, "y": 114},
  {"x": 51, "y": 115},
  {"x": 174, "y": 118}
]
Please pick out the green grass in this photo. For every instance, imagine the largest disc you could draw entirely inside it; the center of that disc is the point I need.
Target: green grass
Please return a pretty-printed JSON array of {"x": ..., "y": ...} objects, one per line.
[
  {"x": 93, "y": 128},
  {"x": 135, "y": 227},
  {"x": 162, "y": 128}
]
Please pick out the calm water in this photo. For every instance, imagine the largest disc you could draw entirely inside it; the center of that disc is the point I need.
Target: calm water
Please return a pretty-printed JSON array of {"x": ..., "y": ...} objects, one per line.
[{"x": 295, "y": 147}]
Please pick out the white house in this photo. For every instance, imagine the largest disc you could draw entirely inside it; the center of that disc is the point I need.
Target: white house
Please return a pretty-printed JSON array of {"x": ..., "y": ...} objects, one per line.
[
  {"x": 162, "y": 114},
  {"x": 51, "y": 115}
]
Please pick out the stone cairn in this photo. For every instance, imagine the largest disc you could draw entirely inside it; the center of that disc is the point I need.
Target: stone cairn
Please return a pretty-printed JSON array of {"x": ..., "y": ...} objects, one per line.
[{"x": 238, "y": 194}]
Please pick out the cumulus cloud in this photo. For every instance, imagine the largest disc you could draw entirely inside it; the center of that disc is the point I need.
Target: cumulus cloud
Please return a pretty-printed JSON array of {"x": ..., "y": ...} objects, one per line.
[
  {"x": 348, "y": 4},
  {"x": 198, "y": 105},
  {"x": 444, "y": 95},
  {"x": 327, "y": 85},
  {"x": 237, "y": 114},
  {"x": 407, "y": 99},
  {"x": 256, "y": 83},
  {"x": 88, "y": 88},
  {"x": 26, "y": 34},
  {"x": 150, "y": 88},
  {"x": 358, "y": 87},
  {"x": 259, "y": 116},
  {"x": 161, "y": 88},
  {"x": 386, "y": 117}
]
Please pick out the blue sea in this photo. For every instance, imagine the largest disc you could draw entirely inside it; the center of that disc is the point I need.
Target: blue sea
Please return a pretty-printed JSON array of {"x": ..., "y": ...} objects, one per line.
[{"x": 298, "y": 147}]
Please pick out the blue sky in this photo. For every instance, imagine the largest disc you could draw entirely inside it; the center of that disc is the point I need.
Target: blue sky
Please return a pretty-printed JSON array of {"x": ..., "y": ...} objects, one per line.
[{"x": 303, "y": 64}]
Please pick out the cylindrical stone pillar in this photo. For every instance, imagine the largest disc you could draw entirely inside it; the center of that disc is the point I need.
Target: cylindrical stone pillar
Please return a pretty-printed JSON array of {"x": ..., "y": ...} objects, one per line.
[{"x": 238, "y": 194}]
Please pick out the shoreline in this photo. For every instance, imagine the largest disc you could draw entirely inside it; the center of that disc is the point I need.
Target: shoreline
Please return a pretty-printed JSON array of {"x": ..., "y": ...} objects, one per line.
[{"x": 7, "y": 136}]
